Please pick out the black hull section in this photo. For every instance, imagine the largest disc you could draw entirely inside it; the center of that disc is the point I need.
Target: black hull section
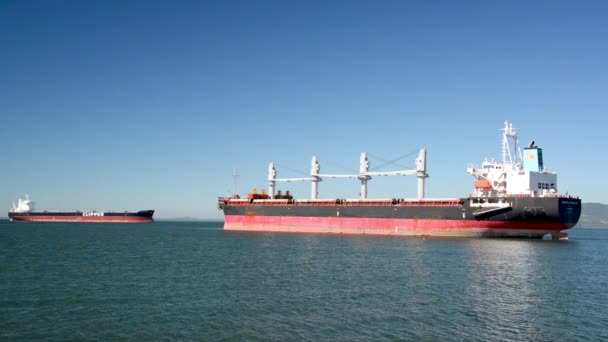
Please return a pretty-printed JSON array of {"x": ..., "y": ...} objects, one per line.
[
  {"x": 521, "y": 209},
  {"x": 505, "y": 217}
]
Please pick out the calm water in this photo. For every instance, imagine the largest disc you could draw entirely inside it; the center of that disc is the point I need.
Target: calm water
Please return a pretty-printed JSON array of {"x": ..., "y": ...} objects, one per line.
[{"x": 193, "y": 281}]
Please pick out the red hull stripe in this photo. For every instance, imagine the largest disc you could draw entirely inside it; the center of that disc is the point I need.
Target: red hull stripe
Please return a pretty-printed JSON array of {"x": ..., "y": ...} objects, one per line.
[
  {"x": 97, "y": 219},
  {"x": 389, "y": 226}
]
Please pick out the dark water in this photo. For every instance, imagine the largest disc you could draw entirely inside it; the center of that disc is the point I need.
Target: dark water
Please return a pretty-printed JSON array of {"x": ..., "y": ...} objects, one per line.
[{"x": 193, "y": 281}]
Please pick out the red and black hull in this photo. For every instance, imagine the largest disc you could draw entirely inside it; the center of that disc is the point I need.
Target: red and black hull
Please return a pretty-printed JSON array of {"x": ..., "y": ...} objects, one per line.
[
  {"x": 143, "y": 216},
  {"x": 531, "y": 217}
]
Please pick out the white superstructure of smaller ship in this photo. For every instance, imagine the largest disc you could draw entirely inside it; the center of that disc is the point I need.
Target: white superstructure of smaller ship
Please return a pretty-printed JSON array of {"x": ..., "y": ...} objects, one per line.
[{"x": 24, "y": 205}]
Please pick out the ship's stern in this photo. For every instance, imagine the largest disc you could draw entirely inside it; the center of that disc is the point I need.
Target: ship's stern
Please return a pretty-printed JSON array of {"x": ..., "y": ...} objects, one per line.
[{"x": 569, "y": 211}]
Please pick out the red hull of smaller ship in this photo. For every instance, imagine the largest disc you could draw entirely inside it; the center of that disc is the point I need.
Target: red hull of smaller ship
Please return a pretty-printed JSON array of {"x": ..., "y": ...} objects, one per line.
[{"x": 87, "y": 219}]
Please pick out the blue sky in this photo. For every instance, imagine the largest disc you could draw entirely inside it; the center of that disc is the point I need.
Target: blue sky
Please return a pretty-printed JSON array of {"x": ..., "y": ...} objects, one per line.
[{"x": 128, "y": 105}]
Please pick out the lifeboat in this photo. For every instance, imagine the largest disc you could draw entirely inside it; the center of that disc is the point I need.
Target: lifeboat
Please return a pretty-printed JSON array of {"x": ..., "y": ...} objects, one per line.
[{"x": 483, "y": 184}]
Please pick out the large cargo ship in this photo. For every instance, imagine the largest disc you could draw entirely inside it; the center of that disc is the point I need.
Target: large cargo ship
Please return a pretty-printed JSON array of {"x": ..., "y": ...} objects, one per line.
[
  {"x": 24, "y": 211},
  {"x": 515, "y": 197}
]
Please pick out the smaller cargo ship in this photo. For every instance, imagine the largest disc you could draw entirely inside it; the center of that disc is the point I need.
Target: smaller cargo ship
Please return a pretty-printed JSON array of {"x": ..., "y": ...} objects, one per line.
[{"x": 25, "y": 211}]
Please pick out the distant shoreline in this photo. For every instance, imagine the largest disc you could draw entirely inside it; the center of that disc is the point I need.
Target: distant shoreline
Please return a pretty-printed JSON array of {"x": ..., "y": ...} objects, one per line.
[{"x": 187, "y": 219}]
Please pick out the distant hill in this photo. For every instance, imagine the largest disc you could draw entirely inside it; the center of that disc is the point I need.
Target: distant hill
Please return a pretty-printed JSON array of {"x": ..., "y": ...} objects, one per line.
[{"x": 594, "y": 215}]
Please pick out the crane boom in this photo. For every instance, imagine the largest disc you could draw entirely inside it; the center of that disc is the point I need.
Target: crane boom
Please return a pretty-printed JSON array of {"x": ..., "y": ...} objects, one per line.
[{"x": 364, "y": 175}]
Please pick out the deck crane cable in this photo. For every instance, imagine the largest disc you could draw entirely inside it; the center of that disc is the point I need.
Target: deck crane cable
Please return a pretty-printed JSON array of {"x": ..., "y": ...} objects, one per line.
[
  {"x": 300, "y": 172},
  {"x": 393, "y": 161},
  {"x": 340, "y": 166}
]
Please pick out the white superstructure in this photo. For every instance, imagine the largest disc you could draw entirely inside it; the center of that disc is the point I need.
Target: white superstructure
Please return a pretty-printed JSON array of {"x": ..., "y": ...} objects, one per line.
[
  {"x": 24, "y": 205},
  {"x": 517, "y": 174}
]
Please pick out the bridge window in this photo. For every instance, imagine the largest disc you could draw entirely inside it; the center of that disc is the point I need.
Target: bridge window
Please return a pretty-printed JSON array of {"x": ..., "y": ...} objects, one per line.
[{"x": 545, "y": 186}]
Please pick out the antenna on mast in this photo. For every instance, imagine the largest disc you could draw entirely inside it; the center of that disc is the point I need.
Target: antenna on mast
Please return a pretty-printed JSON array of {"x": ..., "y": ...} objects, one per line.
[{"x": 234, "y": 177}]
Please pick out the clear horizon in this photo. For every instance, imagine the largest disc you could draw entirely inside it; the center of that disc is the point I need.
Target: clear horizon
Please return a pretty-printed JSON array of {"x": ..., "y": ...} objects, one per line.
[{"x": 112, "y": 105}]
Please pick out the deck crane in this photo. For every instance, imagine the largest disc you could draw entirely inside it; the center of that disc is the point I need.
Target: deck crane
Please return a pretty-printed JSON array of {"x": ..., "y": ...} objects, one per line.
[{"x": 364, "y": 175}]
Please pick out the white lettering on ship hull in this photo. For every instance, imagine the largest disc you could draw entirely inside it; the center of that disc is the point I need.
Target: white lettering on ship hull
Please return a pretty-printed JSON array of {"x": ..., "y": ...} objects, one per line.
[{"x": 92, "y": 214}]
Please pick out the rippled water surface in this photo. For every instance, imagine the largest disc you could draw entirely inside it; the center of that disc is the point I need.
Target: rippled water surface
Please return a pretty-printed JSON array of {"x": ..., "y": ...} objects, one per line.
[{"x": 168, "y": 281}]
